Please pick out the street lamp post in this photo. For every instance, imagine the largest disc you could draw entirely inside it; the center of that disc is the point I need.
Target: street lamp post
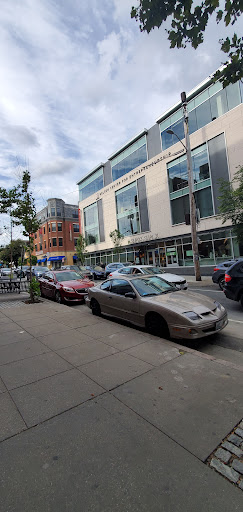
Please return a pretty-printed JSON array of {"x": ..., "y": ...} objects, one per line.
[{"x": 191, "y": 187}]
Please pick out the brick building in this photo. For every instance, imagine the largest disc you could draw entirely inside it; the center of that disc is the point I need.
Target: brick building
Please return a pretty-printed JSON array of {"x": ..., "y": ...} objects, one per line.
[{"x": 56, "y": 239}]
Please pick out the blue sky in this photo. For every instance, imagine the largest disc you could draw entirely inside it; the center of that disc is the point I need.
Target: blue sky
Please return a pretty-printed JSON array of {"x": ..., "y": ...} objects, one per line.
[{"x": 78, "y": 80}]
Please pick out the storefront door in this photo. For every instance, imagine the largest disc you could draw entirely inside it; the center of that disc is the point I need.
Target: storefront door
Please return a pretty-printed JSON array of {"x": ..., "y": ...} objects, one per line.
[{"x": 171, "y": 257}]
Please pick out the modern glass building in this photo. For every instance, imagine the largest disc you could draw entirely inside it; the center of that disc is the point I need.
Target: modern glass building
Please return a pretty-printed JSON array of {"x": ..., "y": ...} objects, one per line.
[{"x": 142, "y": 189}]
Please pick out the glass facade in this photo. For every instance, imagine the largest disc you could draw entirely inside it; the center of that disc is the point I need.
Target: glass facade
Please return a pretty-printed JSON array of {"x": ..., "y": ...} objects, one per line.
[
  {"x": 91, "y": 224},
  {"x": 91, "y": 185},
  {"x": 204, "y": 108},
  {"x": 127, "y": 210},
  {"x": 178, "y": 185},
  {"x": 214, "y": 247},
  {"x": 129, "y": 159}
]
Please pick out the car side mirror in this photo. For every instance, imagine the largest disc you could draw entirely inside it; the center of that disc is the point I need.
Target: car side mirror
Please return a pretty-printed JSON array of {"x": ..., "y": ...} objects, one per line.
[{"x": 130, "y": 295}]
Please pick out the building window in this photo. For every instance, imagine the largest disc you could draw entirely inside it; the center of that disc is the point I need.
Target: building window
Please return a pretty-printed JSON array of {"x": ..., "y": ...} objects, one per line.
[
  {"x": 44, "y": 230},
  {"x": 127, "y": 210},
  {"x": 40, "y": 247},
  {"x": 45, "y": 244},
  {"x": 76, "y": 228},
  {"x": 75, "y": 242},
  {"x": 58, "y": 211},
  {"x": 50, "y": 243},
  {"x": 178, "y": 185},
  {"x": 60, "y": 242},
  {"x": 36, "y": 247},
  {"x": 53, "y": 226},
  {"x": 91, "y": 224},
  {"x": 90, "y": 185},
  {"x": 54, "y": 242},
  {"x": 204, "y": 108},
  {"x": 129, "y": 159},
  {"x": 53, "y": 212},
  {"x": 35, "y": 235},
  {"x": 59, "y": 226},
  {"x": 75, "y": 215},
  {"x": 49, "y": 227}
]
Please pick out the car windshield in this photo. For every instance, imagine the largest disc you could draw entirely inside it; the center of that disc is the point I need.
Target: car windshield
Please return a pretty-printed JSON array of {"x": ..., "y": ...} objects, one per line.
[
  {"x": 153, "y": 270},
  {"x": 68, "y": 276},
  {"x": 99, "y": 269},
  {"x": 152, "y": 286}
]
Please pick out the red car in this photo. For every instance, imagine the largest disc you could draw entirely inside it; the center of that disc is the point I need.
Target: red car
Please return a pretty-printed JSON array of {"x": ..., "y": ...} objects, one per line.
[{"x": 64, "y": 285}]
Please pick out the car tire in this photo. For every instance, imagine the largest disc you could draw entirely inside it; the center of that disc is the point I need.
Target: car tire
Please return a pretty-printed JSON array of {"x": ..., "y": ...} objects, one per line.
[
  {"x": 58, "y": 298},
  {"x": 221, "y": 282},
  {"x": 241, "y": 300},
  {"x": 95, "y": 307},
  {"x": 156, "y": 325}
]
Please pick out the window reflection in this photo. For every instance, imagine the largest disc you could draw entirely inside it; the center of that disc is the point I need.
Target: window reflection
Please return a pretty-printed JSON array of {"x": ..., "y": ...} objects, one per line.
[
  {"x": 127, "y": 210},
  {"x": 91, "y": 224},
  {"x": 206, "y": 110},
  {"x": 132, "y": 161}
]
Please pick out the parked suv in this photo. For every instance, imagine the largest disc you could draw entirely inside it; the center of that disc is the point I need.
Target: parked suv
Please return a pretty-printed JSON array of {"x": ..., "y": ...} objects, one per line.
[
  {"x": 219, "y": 271},
  {"x": 234, "y": 282}
]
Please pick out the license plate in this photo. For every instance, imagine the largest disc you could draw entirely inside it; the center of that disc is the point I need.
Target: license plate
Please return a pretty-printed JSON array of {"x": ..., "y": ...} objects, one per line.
[{"x": 219, "y": 324}]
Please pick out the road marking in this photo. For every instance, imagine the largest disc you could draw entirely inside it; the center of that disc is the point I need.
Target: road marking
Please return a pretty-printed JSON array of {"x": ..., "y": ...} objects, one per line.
[{"x": 203, "y": 290}]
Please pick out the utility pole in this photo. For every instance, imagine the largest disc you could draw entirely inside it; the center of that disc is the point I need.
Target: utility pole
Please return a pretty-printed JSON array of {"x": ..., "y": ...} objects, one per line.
[{"x": 191, "y": 190}]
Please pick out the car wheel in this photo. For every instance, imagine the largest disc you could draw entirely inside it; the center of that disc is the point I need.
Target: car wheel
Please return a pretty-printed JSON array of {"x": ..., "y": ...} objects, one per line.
[
  {"x": 95, "y": 307},
  {"x": 155, "y": 324},
  {"x": 221, "y": 282},
  {"x": 58, "y": 298},
  {"x": 241, "y": 300}
]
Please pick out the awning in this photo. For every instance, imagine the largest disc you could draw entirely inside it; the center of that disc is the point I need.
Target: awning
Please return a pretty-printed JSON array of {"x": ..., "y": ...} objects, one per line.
[
  {"x": 41, "y": 261},
  {"x": 56, "y": 258}
]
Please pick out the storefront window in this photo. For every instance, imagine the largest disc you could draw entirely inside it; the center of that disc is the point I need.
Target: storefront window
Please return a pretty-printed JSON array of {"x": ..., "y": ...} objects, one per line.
[
  {"x": 188, "y": 254},
  {"x": 223, "y": 249},
  {"x": 180, "y": 256},
  {"x": 206, "y": 255}
]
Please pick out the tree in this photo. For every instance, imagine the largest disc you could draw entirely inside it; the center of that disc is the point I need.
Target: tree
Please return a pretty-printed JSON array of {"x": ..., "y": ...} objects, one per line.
[
  {"x": 231, "y": 203},
  {"x": 15, "y": 248},
  {"x": 116, "y": 238},
  {"x": 81, "y": 248},
  {"x": 23, "y": 211},
  {"x": 188, "y": 21}
]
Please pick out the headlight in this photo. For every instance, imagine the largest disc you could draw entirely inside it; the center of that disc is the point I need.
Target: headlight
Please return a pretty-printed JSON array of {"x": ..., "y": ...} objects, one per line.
[
  {"x": 218, "y": 305},
  {"x": 192, "y": 315},
  {"x": 66, "y": 289}
]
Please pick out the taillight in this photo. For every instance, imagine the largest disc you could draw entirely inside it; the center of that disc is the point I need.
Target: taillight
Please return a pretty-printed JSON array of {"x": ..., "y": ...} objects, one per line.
[
  {"x": 227, "y": 278},
  {"x": 110, "y": 275},
  {"x": 216, "y": 268}
]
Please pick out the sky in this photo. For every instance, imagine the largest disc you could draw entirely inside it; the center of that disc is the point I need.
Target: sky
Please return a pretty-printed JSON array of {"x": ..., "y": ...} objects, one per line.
[{"x": 78, "y": 80}]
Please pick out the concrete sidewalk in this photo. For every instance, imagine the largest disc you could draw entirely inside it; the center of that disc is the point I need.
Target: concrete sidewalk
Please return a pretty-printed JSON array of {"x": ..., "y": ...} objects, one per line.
[{"x": 98, "y": 416}]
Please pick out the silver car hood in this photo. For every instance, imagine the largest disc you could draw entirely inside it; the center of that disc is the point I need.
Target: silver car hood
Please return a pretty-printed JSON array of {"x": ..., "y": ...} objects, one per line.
[{"x": 184, "y": 301}]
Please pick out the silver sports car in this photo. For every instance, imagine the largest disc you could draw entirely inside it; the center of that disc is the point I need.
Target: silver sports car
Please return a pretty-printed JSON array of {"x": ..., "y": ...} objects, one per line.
[{"x": 152, "y": 302}]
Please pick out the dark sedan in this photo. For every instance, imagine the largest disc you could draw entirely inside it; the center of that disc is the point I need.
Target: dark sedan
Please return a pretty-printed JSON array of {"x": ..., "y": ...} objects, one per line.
[{"x": 64, "y": 285}]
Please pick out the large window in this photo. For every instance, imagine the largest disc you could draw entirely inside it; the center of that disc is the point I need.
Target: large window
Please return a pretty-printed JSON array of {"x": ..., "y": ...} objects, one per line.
[
  {"x": 129, "y": 159},
  {"x": 76, "y": 228},
  {"x": 91, "y": 184},
  {"x": 178, "y": 185},
  {"x": 177, "y": 169},
  {"x": 127, "y": 210},
  {"x": 91, "y": 224},
  {"x": 204, "y": 108}
]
